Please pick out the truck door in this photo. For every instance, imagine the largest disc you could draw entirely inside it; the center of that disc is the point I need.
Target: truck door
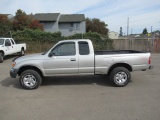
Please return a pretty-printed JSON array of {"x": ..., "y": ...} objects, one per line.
[
  {"x": 14, "y": 47},
  {"x": 8, "y": 46},
  {"x": 86, "y": 58},
  {"x": 62, "y": 60}
]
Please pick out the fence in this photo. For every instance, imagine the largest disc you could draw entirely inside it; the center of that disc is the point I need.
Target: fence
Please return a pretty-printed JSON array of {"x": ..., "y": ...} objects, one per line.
[{"x": 151, "y": 45}]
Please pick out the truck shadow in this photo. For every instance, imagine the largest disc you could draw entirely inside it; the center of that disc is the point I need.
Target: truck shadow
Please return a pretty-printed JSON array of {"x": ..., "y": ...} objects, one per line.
[
  {"x": 69, "y": 80},
  {"x": 76, "y": 80},
  {"x": 10, "y": 82},
  {"x": 10, "y": 57}
]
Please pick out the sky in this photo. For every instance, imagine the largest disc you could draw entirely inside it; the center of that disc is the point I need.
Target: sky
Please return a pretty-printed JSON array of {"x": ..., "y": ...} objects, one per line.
[{"x": 115, "y": 13}]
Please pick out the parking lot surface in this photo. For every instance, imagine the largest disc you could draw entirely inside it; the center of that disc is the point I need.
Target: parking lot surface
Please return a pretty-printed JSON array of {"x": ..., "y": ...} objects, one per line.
[{"x": 82, "y": 97}]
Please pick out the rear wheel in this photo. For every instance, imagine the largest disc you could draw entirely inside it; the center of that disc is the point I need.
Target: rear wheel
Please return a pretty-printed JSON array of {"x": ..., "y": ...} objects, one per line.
[
  {"x": 30, "y": 79},
  {"x": 120, "y": 76},
  {"x": 22, "y": 52},
  {"x": 1, "y": 57}
]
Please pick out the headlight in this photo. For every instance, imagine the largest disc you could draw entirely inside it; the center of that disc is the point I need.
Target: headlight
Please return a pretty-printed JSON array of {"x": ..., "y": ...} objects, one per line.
[{"x": 13, "y": 64}]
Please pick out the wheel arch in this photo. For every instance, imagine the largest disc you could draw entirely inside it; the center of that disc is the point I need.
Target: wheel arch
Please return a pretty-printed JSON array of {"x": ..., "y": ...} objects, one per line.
[
  {"x": 125, "y": 65},
  {"x": 1, "y": 51},
  {"x": 22, "y": 48},
  {"x": 27, "y": 67}
]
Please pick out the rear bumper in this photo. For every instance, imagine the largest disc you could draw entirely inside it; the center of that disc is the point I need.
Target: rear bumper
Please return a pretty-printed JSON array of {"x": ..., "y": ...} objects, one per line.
[{"x": 13, "y": 72}]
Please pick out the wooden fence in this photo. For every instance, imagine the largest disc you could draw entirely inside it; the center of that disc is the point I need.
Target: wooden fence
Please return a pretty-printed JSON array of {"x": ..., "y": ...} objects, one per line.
[{"x": 151, "y": 45}]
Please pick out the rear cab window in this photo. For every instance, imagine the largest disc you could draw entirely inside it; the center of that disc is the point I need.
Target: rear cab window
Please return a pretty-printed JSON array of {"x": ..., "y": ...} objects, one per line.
[
  {"x": 83, "y": 48},
  {"x": 12, "y": 41}
]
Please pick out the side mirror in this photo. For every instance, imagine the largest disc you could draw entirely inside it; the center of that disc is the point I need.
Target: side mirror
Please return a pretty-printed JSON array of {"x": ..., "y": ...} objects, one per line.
[{"x": 50, "y": 54}]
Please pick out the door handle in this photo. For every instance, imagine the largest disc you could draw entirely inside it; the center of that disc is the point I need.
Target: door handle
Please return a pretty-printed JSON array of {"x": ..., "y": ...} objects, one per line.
[{"x": 73, "y": 59}]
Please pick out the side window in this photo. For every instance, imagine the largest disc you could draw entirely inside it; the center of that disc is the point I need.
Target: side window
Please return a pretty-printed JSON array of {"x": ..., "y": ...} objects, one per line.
[
  {"x": 64, "y": 49},
  {"x": 83, "y": 48},
  {"x": 12, "y": 41},
  {"x": 7, "y": 42}
]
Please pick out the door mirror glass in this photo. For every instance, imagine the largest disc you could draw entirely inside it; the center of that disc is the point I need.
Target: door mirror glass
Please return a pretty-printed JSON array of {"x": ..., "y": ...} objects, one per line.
[{"x": 51, "y": 54}]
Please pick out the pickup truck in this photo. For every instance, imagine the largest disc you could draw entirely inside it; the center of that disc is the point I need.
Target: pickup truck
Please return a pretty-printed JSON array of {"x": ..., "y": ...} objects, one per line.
[
  {"x": 9, "y": 47},
  {"x": 77, "y": 57}
]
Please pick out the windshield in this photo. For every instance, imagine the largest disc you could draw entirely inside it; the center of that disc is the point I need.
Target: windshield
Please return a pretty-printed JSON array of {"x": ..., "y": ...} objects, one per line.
[{"x": 1, "y": 41}]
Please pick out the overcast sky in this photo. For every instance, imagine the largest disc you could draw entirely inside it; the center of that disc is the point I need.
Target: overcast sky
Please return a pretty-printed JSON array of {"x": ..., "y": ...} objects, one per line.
[{"x": 141, "y": 13}]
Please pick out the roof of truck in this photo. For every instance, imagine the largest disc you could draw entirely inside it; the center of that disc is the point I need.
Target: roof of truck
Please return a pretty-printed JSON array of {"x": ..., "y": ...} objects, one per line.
[
  {"x": 73, "y": 40},
  {"x": 5, "y": 38}
]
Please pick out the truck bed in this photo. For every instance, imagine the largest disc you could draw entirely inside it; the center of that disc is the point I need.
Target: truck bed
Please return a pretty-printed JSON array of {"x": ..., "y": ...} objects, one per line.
[{"x": 105, "y": 52}]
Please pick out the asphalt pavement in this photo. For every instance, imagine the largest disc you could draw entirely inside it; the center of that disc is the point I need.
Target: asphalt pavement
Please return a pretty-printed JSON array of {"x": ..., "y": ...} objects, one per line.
[{"x": 82, "y": 97}]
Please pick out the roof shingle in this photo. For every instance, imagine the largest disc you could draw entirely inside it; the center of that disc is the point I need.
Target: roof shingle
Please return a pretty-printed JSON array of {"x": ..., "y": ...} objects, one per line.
[
  {"x": 72, "y": 18},
  {"x": 46, "y": 16}
]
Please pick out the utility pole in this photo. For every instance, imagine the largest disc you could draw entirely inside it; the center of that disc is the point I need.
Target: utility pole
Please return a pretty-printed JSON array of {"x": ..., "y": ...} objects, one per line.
[
  {"x": 151, "y": 29},
  {"x": 127, "y": 26}
]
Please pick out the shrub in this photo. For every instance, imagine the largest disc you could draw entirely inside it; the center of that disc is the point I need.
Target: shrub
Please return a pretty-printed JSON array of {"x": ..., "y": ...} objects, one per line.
[{"x": 40, "y": 41}]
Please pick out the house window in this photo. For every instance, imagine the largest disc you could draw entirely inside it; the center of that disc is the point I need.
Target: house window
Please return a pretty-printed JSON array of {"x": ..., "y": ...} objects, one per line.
[
  {"x": 75, "y": 26},
  {"x": 72, "y": 25}
]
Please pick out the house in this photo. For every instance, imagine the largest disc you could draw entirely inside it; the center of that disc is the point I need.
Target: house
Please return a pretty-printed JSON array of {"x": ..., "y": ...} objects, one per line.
[
  {"x": 49, "y": 21},
  {"x": 8, "y": 15},
  {"x": 67, "y": 24},
  {"x": 113, "y": 35}
]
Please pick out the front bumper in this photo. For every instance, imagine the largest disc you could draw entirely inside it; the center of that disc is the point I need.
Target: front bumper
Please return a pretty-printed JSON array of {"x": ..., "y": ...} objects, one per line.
[{"x": 13, "y": 72}]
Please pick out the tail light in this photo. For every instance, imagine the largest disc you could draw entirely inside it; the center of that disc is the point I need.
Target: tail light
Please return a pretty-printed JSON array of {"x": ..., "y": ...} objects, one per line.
[{"x": 149, "y": 60}]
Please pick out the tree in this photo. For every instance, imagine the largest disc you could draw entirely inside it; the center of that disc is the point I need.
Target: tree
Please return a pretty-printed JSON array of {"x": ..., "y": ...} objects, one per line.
[
  {"x": 5, "y": 26},
  {"x": 22, "y": 21},
  {"x": 36, "y": 25},
  {"x": 120, "y": 32},
  {"x": 145, "y": 31},
  {"x": 96, "y": 25}
]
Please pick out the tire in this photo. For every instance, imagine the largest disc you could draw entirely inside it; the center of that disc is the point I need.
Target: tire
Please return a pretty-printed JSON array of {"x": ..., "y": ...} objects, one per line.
[
  {"x": 1, "y": 58},
  {"x": 22, "y": 52},
  {"x": 30, "y": 79},
  {"x": 120, "y": 76}
]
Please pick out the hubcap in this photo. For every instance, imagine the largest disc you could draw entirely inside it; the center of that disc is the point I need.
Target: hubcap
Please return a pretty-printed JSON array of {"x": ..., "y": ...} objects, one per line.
[
  {"x": 22, "y": 52},
  {"x": 29, "y": 80},
  {"x": 120, "y": 78}
]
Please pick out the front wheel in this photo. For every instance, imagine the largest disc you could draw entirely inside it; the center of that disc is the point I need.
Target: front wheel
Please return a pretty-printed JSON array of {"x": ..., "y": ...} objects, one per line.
[
  {"x": 120, "y": 76},
  {"x": 30, "y": 79}
]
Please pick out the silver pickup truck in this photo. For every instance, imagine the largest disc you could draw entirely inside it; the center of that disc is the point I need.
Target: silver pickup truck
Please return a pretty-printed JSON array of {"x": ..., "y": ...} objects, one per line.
[{"x": 77, "y": 57}]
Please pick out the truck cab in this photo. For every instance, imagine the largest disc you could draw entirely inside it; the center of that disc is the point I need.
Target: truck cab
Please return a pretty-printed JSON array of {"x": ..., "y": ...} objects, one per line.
[{"x": 70, "y": 57}]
